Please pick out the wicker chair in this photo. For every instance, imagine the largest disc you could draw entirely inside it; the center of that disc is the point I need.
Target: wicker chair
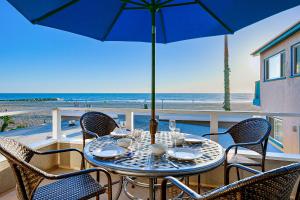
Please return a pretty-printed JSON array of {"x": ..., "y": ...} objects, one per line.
[
  {"x": 95, "y": 124},
  {"x": 71, "y": 186},
  {"x": 252, "y": 134},
  {"x": 276, "y": 184}
]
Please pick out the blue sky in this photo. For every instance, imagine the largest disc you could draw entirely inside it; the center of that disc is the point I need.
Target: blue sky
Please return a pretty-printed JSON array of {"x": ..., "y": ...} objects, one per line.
[{"x": 40, "y": 59}]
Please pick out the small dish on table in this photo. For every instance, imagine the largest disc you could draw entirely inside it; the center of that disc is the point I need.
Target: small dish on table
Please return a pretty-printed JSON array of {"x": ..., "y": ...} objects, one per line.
[
  {"x": 124, "y": 142},
  {"x": 181, "y": 153},
  {"x": 110, "y": 151},
  {"x": 120, "y": 133},
  {"x": 158, "y": 149},
  {"x": 194, "y": 140}
]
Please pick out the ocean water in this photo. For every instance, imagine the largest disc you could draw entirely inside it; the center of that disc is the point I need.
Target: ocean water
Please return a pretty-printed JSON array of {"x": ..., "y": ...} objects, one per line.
[{"x": 130, "y": 97}]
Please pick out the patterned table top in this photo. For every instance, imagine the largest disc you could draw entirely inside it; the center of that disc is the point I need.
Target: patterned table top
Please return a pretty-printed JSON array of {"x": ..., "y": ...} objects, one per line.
[{"x": 142, "y": 163}]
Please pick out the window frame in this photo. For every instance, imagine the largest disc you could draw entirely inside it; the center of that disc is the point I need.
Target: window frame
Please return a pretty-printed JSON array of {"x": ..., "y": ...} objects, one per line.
[
  {"x": 282, "y": 72},
  {"x": 273, "y": 139},
  {"x": 293, "y": 59}
]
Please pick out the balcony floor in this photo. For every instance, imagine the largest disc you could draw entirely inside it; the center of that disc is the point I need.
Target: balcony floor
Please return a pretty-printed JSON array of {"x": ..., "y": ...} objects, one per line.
[{"x": 139, "y": 192}]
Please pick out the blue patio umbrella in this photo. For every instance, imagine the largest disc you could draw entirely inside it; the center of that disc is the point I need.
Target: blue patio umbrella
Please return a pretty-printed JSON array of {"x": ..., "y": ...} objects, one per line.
[{"x": 156, "y": 21}]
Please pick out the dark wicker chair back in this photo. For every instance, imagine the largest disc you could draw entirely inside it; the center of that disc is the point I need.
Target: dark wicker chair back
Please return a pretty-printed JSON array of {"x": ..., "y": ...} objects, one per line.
[
  {"x": 276, "y": 184},
  {"x": 27, "y": 176},
  {"x": 252, "y": 130},
  {"x": 97, "y": 123}
]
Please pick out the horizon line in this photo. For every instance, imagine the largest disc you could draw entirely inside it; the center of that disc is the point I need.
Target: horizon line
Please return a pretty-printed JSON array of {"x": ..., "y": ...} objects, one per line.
[{"x": 123, "y": 93}]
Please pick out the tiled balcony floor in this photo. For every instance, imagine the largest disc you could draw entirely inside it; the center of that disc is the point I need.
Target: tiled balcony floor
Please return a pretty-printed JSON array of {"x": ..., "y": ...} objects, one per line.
[{"x": 139, "y": 192}]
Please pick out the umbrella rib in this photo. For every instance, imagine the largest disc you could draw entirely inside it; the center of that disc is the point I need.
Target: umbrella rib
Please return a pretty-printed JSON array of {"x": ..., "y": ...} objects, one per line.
[
  {"x": 179, "y": 4},
  {"x": 214, "y": 16},
  {"x": 114, "y": 22},
  {"x": 164, "y": 3},
  {"x": 134, "y": 3},
  {"x": 163, "y": 27},
  {"x": 145, "y": 2},
  {"x": 136, "y": 8},
  {"x": 48, "y": 14}
]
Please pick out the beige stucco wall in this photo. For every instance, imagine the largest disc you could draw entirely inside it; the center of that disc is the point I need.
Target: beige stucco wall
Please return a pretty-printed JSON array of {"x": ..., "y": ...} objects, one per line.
[
  {"x": 70, "y": 159},
  {"x": 283, "y": 95}
]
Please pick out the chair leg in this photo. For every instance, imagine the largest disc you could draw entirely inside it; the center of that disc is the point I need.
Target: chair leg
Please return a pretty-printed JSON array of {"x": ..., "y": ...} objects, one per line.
[
  {"x": 199, "y": 184},
  {"x": 226, "y": 175},
  {"x": 82, "y": 164},
  {"x": 98, "y": 177},
  {"x": 98, "y": 180},
  {"x": 263, "y": 167},
  {"x": 238, "y": 174}
]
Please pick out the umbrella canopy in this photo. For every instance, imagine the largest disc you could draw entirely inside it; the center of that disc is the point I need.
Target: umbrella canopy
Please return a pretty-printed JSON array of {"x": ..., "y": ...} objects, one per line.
[
  {"x": 156, "y": 21},
  {"x": 130, "y": 20}
]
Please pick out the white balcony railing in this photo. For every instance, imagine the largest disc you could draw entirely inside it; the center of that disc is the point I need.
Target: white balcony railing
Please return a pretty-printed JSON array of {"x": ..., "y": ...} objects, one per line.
[
  {"x": 214, "y": 119},
  {"x": 214, "y": 116}
]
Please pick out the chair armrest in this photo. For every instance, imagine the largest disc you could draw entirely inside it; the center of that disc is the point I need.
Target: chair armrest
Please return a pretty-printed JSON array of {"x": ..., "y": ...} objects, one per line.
[
  {"x": 241, "y": 145},
  {"x": 57, "y": 151},
  {"x": 191, "y": 193},
  {"x": 63, "y": 151},
  {"x": 91, "y": 133},
  {"x": 77, "y": 173},
  {"x": 239, "y": 166},
  {"x": 248, "y": 169},
  {"x": 222, "y": 133}
]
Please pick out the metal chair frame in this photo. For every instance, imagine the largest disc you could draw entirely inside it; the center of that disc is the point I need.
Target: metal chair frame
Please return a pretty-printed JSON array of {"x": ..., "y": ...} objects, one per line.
[
  {"x": 97, "y": 124},
  {"x": 29, "y": 177},
  {"x": 276, "y": 184},
  {"x": 259, "y": 146}
]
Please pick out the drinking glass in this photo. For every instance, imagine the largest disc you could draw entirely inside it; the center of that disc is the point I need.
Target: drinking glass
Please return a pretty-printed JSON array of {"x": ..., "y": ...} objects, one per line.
[
  {"x": 138, "y": 135},
  {"x": 180, "y": 137},
  {"x": 173, "y": 138},
  {"x": 177, "y": 138},
  {"x": 172, "y": 125}
]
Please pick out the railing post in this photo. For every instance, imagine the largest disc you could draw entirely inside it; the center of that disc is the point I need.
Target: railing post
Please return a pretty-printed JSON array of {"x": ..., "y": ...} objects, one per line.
[
  {"x": 56, "y": 124},
  {"x": 214, "y": 126},
  {"x": 129, "y": 117}
]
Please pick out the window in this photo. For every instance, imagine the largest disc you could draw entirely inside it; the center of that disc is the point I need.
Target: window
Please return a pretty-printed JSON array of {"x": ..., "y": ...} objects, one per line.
[
  {"x": 296, "y": 59},
  {"x": 275, "y": 66},
  {"x": 277, "y": 130}
]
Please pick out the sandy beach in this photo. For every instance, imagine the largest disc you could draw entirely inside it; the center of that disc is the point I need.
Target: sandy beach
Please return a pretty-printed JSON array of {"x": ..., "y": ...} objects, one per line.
[
  {"x": 27, "y": 105},
  {"x": 35, "y": 119}
]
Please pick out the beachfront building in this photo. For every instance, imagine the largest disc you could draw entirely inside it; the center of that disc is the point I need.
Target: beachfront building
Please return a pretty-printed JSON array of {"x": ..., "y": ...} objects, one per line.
[{"x": 279, "y": 86}]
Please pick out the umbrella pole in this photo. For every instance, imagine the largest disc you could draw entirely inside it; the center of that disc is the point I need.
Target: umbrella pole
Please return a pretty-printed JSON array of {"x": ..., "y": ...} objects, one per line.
[{"x": 153, "y": 122}]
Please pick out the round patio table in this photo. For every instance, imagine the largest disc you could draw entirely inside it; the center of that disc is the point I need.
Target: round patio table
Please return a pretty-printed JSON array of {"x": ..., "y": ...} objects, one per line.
[{"x": 140, "y": 163}]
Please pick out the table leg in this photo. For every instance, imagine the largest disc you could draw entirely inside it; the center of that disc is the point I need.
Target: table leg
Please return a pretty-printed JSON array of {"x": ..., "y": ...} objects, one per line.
[
  {"x": 120, "y": 188},
  {"x": 152, "y": 182},
  {"x": 199, "y": 184},
  {"x": 187, "y": 181}
]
